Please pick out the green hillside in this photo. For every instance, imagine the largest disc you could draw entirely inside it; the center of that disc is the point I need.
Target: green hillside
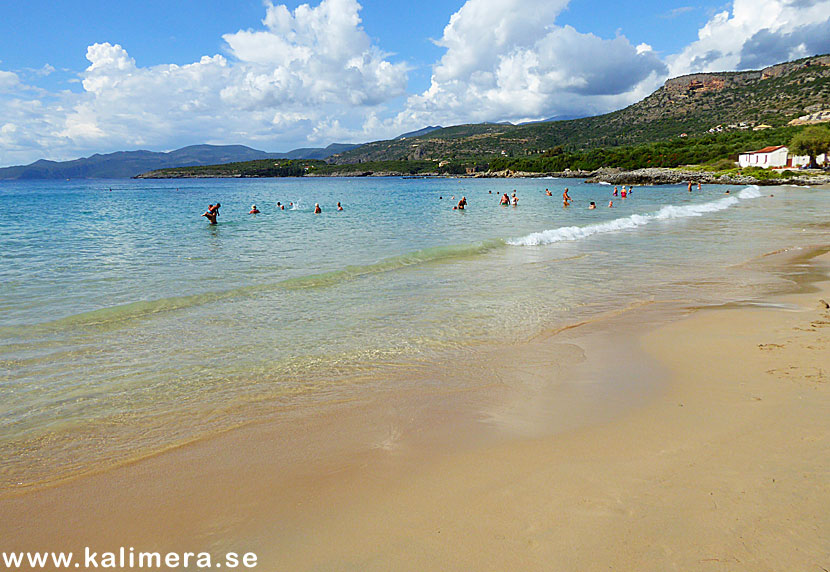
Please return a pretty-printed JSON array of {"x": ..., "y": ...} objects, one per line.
[{"x": 692, "y": 104}]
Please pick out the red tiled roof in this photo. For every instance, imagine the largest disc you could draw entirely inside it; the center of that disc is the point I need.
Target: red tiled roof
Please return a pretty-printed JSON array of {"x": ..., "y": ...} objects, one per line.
[{"x": 766, "y": 150}]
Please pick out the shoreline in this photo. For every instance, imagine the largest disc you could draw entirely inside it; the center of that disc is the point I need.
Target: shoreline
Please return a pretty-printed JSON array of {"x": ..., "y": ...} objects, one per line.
[
  {"x": 652, "y": 176},
  {"x": 430, "y": 463}
]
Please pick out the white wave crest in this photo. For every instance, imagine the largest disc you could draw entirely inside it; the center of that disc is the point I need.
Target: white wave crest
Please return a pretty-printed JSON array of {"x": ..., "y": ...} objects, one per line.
[
  {"x": 668, "y": 212},
  {"x": 752, "y": 192}
]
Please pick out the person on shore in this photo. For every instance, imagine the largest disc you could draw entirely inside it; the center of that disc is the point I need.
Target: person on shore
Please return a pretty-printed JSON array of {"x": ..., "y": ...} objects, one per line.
[
  {"x": 593, "y": 205},
  {"x": 317, "y": 209},
  {"x": 339, "y": 208},
  {"x": 253, "y": 210}
]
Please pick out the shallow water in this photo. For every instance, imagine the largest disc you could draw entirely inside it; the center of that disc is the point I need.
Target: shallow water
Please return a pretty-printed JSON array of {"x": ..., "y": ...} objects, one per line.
[{"x": 128, "y": 324}]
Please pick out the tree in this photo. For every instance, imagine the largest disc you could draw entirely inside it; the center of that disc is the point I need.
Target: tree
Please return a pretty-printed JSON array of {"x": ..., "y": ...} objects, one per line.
[{"x": 813, "y": 141}]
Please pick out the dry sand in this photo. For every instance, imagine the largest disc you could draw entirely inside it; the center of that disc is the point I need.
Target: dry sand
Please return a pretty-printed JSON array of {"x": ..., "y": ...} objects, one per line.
[{"x": 725, "y": 467}]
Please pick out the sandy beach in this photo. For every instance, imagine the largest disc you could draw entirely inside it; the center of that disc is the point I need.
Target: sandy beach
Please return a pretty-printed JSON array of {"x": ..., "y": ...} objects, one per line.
[{"x": 712, "y": 454}]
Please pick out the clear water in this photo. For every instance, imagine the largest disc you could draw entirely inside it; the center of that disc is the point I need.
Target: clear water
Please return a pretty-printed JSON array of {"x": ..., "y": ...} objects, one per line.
[{"x": 128, "y": 324}]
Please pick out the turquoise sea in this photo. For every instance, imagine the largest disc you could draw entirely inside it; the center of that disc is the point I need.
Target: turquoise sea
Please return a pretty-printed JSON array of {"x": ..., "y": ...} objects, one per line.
[{"x": 129, "y": 325}]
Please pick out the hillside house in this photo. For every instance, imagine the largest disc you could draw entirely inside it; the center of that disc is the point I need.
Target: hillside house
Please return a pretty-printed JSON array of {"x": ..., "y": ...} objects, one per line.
[{"x": 767, "y": 158}]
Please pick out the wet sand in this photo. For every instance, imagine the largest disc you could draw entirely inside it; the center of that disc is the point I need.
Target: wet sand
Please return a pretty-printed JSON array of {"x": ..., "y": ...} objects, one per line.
[{"x": 662, "y": 438}]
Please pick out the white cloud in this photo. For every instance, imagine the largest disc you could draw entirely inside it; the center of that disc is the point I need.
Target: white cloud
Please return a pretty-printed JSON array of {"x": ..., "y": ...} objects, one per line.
[
  {"x": 8, "y": 80},
  {"x": 755, "y": 34},
  {"x": 314, "y": 76},
  {"x": 310, "y": 68},
  {"x": 507, "y": 60}
]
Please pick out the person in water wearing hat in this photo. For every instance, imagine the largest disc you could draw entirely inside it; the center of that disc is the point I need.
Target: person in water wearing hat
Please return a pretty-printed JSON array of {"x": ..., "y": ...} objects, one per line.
[{"x": 253, "y": 210}]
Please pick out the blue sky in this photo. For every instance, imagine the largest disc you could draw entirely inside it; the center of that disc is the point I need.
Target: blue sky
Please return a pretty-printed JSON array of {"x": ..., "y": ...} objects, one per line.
[{"x": 83, "y": 76}]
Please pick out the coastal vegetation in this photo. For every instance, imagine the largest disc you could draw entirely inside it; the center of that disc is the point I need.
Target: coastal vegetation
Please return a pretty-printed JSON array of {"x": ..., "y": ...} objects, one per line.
[{"x": 812, "y": 141}]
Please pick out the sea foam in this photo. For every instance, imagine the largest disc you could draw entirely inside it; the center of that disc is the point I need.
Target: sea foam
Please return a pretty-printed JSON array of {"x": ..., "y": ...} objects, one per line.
[{"x": 668, "y": 212}]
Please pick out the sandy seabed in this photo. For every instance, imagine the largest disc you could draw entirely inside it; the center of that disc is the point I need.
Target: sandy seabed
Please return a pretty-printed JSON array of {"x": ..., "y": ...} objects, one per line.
[{"x": 715, "y": 457}]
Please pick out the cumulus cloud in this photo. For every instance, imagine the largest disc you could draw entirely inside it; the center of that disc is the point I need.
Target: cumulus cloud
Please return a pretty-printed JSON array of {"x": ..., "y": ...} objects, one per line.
[
  {"x": 507, "y": 60},
  {"x": 314, "y": 76},
  {"x": 755, "y": 34},
  {"x": 302, "y": 70},
  {"x": 8, "y": 80}
]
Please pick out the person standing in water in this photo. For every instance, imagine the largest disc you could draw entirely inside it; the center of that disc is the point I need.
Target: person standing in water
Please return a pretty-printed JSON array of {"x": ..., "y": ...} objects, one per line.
[
  {"x": 211, "y": 213},
  {"x": 566, "y": 198},
  {"x": 317, "y": 209},
  {"x": 338, "y": 206}
]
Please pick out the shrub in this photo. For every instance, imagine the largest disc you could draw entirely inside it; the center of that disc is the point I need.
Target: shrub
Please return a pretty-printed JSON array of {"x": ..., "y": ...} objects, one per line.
[{"x": 721, "y": 165}]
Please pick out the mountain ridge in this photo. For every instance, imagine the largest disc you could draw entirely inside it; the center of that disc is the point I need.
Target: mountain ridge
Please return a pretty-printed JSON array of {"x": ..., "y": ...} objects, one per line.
[{"x": 126, "y": 164}]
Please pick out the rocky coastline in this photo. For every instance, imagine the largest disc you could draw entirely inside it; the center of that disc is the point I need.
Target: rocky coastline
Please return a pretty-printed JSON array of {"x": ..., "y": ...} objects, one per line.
[
  {"x": 613, "y": 176},
  {"x": 667, "y": 176}
]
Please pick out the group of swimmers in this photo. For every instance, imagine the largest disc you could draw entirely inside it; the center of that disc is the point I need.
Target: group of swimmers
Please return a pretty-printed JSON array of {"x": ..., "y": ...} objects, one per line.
[
  {"x": 506, "y": 201},
  {"x": 213, "y": 210}
]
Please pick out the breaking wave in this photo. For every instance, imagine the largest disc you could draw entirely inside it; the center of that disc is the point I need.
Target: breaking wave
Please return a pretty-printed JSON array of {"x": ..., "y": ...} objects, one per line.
[{"x": 567, "y": 233}]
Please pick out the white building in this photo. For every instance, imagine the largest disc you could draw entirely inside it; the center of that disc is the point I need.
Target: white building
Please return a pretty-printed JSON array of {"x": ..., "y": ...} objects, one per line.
[
  {"x": 798, "y": 161},
  {"x": 767, "y": 158}
]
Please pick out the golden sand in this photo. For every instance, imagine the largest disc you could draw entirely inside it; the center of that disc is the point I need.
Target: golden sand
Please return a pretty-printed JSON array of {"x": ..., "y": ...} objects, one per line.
[{"x": 723, "y": 465}]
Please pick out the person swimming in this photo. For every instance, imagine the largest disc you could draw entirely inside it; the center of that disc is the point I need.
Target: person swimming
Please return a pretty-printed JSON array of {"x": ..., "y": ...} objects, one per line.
[
  {"x": 593, "y": 205},
  {"x": 317, "y": 209},
  {"x": 610, "y": 204},
  {"x": 339, "y": 207},
  {"x": 253, "y": 210}
]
